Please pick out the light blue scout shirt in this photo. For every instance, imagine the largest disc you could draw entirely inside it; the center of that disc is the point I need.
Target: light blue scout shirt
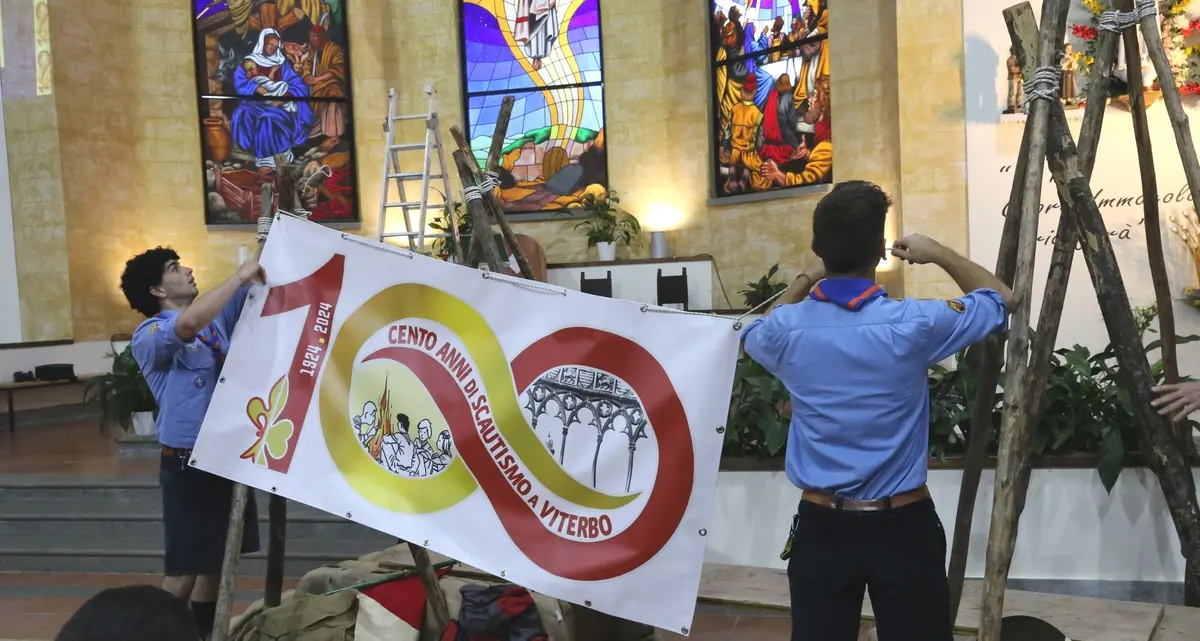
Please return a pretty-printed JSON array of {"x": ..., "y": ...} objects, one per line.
[
  {"x": 181, "y": 374},
  {"x": 856, "y": 364}
]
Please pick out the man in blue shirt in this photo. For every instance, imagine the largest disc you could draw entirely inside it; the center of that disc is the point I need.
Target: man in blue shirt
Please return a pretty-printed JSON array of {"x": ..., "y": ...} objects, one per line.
[
  {"x": 180, "y": 348},
  {"x": 856, "y": 365}
]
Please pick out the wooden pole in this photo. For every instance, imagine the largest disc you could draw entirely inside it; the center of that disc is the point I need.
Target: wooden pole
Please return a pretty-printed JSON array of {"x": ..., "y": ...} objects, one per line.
[
  {"x": 499, "y": 133},
  {"x": 1191, "y": 170},
  {"x": 1182, "y": 130},
  {"x": 495, "y": 208},
  {"x": 986, "y": 358},
  {"x": 1141, "y": 136},
  {"x": 433, "y": 587},
  {"x": 1065, "y": 244},
  {"x": 233, "y": 560},
  {"x": 276, "y": 549},
  {"x": 1022, "y": 27},
  {"x": 478, "y": 211},
  {"x": 493, "y": 163},
  {"x": 1155, "y": 433}
]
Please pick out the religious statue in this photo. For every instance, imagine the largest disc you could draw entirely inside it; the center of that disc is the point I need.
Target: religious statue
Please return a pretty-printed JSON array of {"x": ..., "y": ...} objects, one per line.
[
  {"x": 1120, "y": 66},
  {"x": 1016, "y": 91},
  {"x": 1067, "y": 89}
]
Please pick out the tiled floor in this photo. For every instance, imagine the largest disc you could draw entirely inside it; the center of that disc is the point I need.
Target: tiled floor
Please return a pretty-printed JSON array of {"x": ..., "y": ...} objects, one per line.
[
  {"x": 35, "y": 606},
  {"x": 721, "y": 624},
  {"x": 76, "y": 448}
]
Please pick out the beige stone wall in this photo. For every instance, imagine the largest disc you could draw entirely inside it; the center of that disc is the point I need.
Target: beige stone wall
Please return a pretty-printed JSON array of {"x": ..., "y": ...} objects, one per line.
[
  {"x": 130, "y": 167},
  {"x": 933, "y": 134},
  {"x": 35, "y": 179}
]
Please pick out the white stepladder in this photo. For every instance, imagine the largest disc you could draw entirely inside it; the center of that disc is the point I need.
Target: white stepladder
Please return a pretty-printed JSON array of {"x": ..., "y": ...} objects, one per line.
[{"x": 414, "y": 231}]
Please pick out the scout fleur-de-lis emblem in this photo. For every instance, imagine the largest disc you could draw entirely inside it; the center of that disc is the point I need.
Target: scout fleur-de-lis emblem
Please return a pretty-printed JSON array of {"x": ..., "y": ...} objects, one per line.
[{"x": 271, "y": 432}]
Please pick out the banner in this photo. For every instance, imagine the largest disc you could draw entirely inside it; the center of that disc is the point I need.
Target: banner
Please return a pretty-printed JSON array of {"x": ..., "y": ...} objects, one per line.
[
  {"x": 564, "y": 442},
  {"x": 995, "y": 123}
]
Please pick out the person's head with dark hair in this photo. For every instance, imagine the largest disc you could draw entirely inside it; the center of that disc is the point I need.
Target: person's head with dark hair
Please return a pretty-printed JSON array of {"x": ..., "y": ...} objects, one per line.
[
  {"x": 154, "y": 280},
  {"x": 848, "y": 229},
  {"x": 402, "y": 419},
  {"x": 132, "y": 613}
]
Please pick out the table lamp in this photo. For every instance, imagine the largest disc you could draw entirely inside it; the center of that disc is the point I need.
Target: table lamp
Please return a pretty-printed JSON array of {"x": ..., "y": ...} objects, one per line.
[{"x": 658, "y": 245}]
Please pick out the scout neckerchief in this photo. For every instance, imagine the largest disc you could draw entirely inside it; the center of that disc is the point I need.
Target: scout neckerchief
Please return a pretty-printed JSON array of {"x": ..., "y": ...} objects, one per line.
[
  {"x": 211, "y": 341},
  {"x": 847, "y": 293}
]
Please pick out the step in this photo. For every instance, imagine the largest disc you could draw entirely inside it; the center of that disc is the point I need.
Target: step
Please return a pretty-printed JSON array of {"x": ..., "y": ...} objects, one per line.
[
  {"x": 413, "y": 175},
  {"x": 118, "y": 496},
  {"x": 57, "y": 524},
  {"x": 141, "y": 530},
  {"x": 147, "y": 561}
]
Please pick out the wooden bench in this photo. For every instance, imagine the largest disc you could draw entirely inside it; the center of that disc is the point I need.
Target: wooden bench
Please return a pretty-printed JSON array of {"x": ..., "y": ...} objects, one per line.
[{"x": 11, "y": 389}]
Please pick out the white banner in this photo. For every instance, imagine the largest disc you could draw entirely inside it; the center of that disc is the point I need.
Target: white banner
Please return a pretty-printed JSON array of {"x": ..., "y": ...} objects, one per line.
[
  {"x": 564, "y": 442},
  {"x": 994, "y": 139}
]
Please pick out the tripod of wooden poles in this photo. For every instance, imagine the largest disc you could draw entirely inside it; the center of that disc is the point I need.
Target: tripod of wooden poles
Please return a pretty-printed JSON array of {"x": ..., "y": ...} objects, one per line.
[
  {"x": 1047, "y": 141},
  {"x": 485, "y": 209}
]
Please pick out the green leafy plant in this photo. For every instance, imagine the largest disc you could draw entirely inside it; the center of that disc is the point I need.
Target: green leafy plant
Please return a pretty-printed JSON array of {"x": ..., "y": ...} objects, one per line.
[
  {"x": 607, "y": 222},
  {"x": 466, "y": 227},
  {"x": 952, "y": 393},
  {"x": 763, "y": 290},
  {"x": 121, "y": 393},
  {"x": 448, "y": 246},
  {"x": 1086, "y": 407},
  {"x": 760, "y": 412}
]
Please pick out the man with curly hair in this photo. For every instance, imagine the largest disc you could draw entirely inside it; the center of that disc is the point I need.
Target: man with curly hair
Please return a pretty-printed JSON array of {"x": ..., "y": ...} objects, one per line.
[{"x": 180, "y": 348}]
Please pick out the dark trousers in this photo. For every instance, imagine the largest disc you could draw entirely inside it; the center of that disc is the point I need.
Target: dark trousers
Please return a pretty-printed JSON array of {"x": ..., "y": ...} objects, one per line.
[
  {"x": 897, "y": 555},
  {"x": 196, "y": 517}
]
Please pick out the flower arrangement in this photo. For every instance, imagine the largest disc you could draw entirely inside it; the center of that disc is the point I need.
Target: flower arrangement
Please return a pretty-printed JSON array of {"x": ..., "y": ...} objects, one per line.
[
  {"x": 1183, "y": 50},
  {"x": 1085, "y": 58},
  {"x": 1177, "y": 32}
]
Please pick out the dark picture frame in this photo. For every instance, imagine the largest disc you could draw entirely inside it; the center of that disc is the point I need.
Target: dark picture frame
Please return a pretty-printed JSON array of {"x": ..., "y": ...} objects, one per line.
[
  {"x": 769, "y": 96},
  {"x": 577, "y": 159},
  {"x": 280, "y": 83}
]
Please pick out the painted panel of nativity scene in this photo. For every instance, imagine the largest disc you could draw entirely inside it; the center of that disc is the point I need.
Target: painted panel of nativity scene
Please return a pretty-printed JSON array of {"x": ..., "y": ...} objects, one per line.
[
  {"x": 275, "y": 108},
  {"x": 547, "y": 55},
  {"x": 771, "y": 112}
]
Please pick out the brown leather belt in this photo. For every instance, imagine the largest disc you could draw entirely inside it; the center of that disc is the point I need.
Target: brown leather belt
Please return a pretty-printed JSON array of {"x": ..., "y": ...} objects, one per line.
[
  {"x": 171, "y": 451},
  {"x": 856, "y": 505}
]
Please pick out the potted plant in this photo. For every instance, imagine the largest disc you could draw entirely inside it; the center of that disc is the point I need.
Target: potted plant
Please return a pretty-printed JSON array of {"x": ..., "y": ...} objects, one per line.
[
  {"x": 757, "y": 293},
  {"x": 608, "y": 224},
  {"x": 447, "y": 248},
  {"x": 760, "y": 413},
  {"x": 123, "y": 395}
]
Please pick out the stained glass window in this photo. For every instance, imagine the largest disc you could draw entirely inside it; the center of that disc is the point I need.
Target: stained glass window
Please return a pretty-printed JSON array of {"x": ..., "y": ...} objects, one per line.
[
  {"x": 771, "y": 119},
  {"x": 547, "y": 55},
  {"x": 273, "y": 78}
]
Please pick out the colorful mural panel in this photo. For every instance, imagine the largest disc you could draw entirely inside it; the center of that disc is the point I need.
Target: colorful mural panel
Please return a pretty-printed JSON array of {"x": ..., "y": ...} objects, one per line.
[
  {"x": 547, "y": 55},
  {"x": 771, "y": 116},
  {"x": 273, "y": 78}
]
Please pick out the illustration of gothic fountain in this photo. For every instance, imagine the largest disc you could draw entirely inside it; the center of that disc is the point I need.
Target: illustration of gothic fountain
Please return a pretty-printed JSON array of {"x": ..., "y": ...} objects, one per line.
[{"x": 574, "y": 395}]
